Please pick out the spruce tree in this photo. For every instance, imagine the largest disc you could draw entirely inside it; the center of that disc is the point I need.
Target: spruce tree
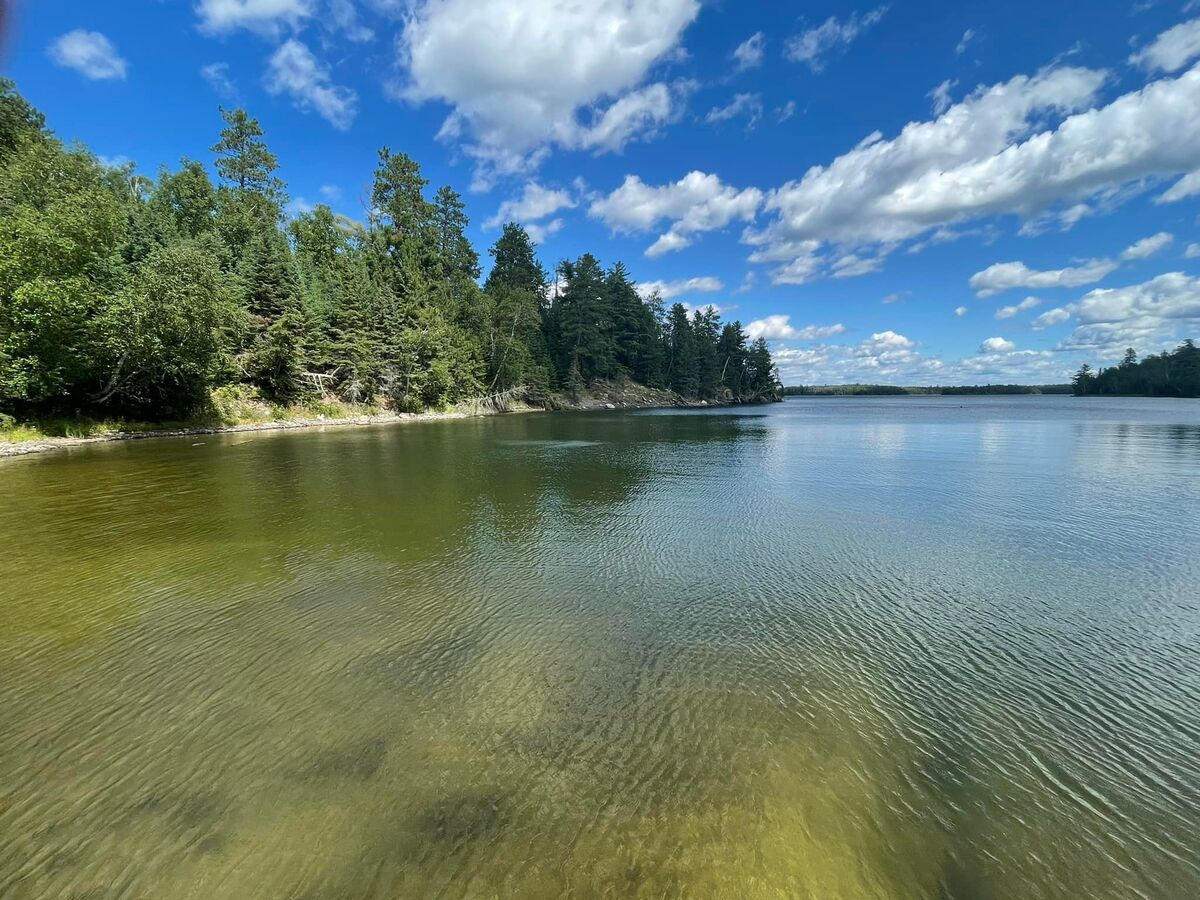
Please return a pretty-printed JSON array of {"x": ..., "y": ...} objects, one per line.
[{"x": 682, "y": 365}]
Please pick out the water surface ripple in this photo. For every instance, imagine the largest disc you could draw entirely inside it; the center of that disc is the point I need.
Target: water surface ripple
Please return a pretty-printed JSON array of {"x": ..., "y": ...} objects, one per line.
[{"x": 894, "y": 648}]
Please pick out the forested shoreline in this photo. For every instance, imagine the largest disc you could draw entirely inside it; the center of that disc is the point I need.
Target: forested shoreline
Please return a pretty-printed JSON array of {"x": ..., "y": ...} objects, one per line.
[
  {"x": 1172, "y": 373},
  {"x": 161, "y": 299}
]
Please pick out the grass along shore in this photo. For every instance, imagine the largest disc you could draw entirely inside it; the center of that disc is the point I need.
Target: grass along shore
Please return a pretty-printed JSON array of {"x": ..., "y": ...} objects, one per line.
[{"x": 233, "y": 411}]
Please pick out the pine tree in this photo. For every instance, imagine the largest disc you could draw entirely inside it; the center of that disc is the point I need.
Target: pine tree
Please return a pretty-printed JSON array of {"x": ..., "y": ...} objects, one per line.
[
  {"x": 250, "y": 201},
  {"x": 243, "y": 160}
]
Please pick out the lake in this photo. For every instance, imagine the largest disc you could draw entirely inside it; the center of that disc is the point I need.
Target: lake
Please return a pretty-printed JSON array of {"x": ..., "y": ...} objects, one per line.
[{"x": 914, "y": 647}]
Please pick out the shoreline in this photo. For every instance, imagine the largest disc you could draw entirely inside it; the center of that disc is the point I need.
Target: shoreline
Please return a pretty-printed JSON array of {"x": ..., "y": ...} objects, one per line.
[{"x": 596, "y": 402}]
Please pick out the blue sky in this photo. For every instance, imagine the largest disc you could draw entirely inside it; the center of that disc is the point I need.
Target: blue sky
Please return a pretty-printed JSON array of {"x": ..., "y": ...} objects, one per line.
[{"x": 917, "y": 192}]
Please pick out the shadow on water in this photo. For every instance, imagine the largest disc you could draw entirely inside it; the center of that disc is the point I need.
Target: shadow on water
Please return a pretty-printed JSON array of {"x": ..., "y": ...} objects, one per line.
[
  {"x": 359, "y": 762},
  {"x": 429, "y": 665},
  {"x": 463, "y": 818}
]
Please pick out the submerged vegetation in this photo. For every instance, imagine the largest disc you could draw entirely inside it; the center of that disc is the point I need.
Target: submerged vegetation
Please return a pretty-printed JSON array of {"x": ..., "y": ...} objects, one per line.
[
  {"x": 127, "y": 298},
  {"x": 1173, "y": 373}
]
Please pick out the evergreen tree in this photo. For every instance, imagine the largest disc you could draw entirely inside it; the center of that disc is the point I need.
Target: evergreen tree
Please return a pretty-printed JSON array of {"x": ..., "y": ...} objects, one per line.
[
  {"x": 515, "y": 264},
  {"x": 583, "y": 315},
  {"x": 1175, "y": 373},
  {"x": 181, "y": 205},
  {"x": 457, "y": 256},
  {"x": 243, "y": 160},
  {"x": 682, "y": 363},
  {"x": 762, "y": 378},
  {"x": 734, "y": 359},
  {"x": 513, "y": 330},
  {"x": 636, "y": 331},
  {"x": 335, "y": 289},
  {"x": 251, "y": 198},
  {"x": 398, "y": 204},
  {"x": 1082, "y": 382},
  {"x": 706, "y": 330},
  {"x": 270, "y": 294}
]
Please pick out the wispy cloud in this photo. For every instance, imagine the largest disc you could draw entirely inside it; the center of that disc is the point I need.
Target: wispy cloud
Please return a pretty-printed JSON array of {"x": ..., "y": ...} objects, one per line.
[
  {"x": 817, "y": 44},
  {"x": 749, "y": 53}
]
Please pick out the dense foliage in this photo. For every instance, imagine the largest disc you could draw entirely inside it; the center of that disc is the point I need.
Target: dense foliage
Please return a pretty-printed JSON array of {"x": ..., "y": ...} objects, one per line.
[
  {"x": 1173, "y": 373},
  {"x": 122, "y": 293},
  {"x": 887, "y": 390}
]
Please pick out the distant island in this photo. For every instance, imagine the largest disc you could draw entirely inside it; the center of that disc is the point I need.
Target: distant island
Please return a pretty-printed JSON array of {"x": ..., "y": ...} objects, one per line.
[
  {"x": 1174, "y": 373},
  {"x": 892, "y": 390}
]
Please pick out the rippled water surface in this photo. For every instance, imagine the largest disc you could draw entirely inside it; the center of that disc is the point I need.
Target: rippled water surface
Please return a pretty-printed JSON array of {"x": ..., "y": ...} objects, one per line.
[{"x": 894, "y": 648}]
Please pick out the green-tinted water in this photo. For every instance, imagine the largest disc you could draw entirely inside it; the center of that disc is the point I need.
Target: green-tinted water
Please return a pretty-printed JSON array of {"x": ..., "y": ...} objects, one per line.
[{"x": 898, "y": 648}]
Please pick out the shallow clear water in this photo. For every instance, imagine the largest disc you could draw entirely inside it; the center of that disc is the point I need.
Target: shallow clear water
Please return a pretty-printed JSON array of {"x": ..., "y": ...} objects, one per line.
[{"x": 893, "y": 648}]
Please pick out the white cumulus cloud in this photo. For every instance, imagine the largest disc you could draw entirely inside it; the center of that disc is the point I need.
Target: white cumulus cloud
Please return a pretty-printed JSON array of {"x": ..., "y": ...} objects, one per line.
[
  {"x": 779, "y": 328},
  {"x": 535, "y": 202},
  {"x": 521, "y": 76},
  {"x": 981, "y": 158},
  {"x": 698, "y": 202},
  {"x": 1143, "y": 315},
  {"x": 885, "y": 192},
  {"x": 89, "y": 53},
  {"x": 293, "y": 70},
  {"x": 266, "y": 17},
  {"x": 1001, "y": 277},
  {"x": 997, "y": 345},
  {"x": 868, "y": 362}
]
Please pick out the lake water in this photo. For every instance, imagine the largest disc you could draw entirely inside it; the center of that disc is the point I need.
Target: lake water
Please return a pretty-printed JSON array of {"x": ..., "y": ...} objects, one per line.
[{"x": 834, "y": 648}]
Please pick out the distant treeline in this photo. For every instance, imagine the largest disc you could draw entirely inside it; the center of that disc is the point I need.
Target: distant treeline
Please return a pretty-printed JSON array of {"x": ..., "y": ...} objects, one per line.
[
  {"x": 123, "y": 294},
  {"x": 1173, "y": 373},
  {"x": 891, "y": 390}
]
